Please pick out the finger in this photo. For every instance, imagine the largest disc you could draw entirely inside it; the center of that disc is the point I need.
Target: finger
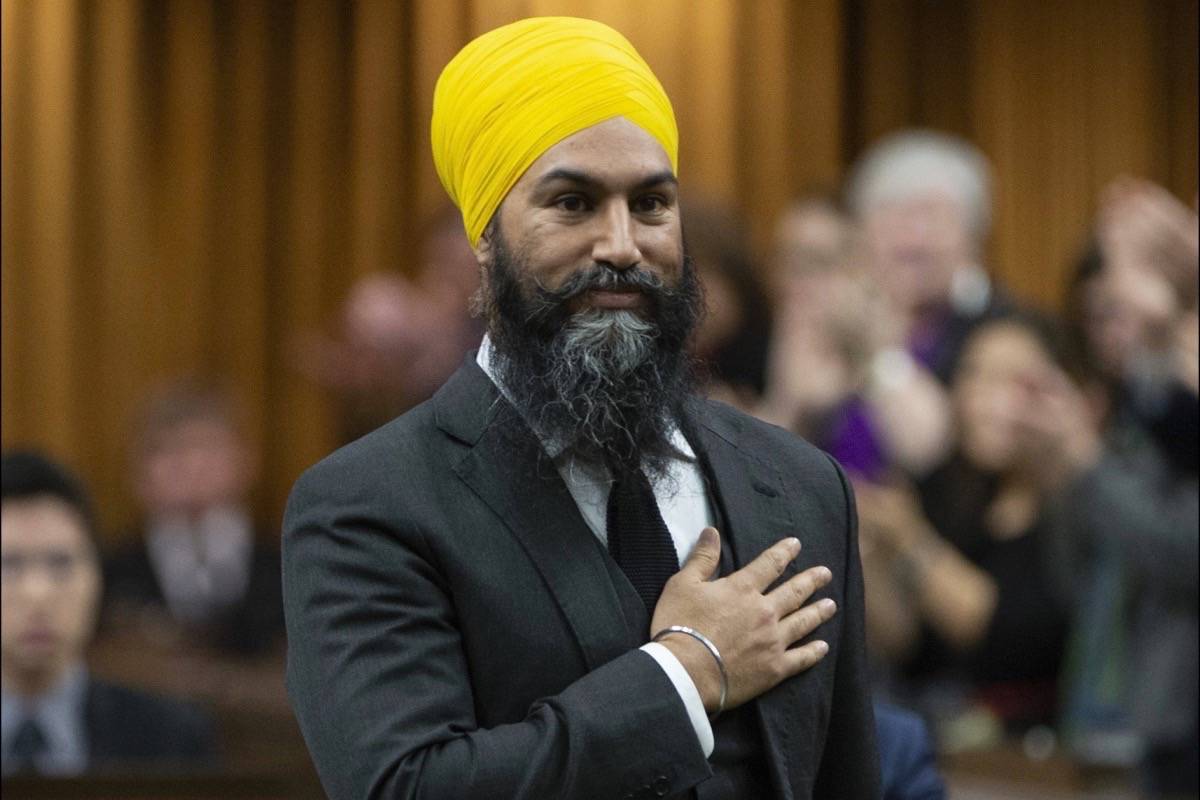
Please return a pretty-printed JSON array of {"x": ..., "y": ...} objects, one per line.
[
  {"x": 799, "y": 659},
  {"x": 770, "y": 564},
  {"x": 794, "y": 592},
  {"x": 705, "y": 556},
  {"x": 801, "y": 623}
]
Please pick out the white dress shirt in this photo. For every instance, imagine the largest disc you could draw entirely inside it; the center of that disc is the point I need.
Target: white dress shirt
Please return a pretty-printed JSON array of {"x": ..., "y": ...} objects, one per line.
[
  {"x": 203, "y": 565},
  {"x": 684, "y": 505},
  {"x": 58, "y": 713}
]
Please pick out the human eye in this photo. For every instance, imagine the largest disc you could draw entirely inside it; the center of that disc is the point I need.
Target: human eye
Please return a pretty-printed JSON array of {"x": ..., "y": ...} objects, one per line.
[
  {"x": 60, "y": 565},
  {"x": 572, "y": 203},
  {"x": 12, "y": 566},
  {"x": 650, "y": 204}
]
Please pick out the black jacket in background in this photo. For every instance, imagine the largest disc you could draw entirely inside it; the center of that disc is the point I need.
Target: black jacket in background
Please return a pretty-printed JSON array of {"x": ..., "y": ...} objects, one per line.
[
  {"x": 127, "y": 728},
  {"x": 250, "y": 626}
]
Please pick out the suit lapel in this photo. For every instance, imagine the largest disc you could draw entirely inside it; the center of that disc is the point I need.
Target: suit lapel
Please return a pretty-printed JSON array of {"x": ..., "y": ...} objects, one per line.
[
  {"x": 757, "y": 513},
  {"x": 505, "y": 465},
  {"x": 749, "y": 492}
]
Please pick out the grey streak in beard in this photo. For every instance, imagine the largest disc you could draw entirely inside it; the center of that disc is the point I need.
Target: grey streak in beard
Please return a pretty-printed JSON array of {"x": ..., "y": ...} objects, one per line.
[{"x": 595, "y": 378}]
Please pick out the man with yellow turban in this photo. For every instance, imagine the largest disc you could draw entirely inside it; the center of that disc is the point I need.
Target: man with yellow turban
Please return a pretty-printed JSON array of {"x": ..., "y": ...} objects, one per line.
[{"x": 518, "y": 589}]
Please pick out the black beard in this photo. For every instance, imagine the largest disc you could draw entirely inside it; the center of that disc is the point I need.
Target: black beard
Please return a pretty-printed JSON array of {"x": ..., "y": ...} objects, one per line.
[{"x": 607, "y": 386}]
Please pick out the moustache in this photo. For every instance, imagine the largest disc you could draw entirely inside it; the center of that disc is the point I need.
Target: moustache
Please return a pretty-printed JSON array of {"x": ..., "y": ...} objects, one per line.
[{"x": 602, "y": 278}]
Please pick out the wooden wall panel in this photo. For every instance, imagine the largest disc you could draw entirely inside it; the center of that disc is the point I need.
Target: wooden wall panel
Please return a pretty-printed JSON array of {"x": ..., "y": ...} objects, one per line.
[
  {"x": 440, "y": 32},
  {"x": 13, "y": 77},
  {"x": 243, "y": 242},
  {"x": 50, "y": 359},
  {"x": 190, "y": 184},
  {"x": 1063, "y": 97},
  {"x": 1177, "y": 40},
  {"x": 378, "y": 139},
  {"x": 311, "y": 262},
  {"x": 815, "y": 87},
  {"x": 120, "y": 226},
  {"x": 709, "y": 145}
]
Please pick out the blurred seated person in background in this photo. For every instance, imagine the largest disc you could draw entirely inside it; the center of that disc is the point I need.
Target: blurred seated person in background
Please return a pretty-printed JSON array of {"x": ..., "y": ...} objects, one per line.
[
  {"x": 962, "y": 596},
  {"x": 908, "y": 768},
  {"x": 838, "y": 373},
  {"x": 198, "y": 567},
  {"x": 734, "y": 334},
  {"x": 399, "y": 339},
  {"x": 56, "y": 719},
  {"x": 1130, "y": 565}
]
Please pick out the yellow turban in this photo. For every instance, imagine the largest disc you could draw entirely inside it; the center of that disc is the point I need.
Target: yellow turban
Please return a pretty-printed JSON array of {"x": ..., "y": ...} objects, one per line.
[{"x": 514, "y": 92}]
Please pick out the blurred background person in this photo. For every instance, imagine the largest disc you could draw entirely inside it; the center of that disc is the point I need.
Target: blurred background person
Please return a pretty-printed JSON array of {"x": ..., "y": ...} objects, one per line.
[
  {"x": 1129, "y": 564},
  {"x": 198, "y": 567},
  {"x": 965, "y": 600},
  {"x": 839, "y": 372},
  {"x": 812, "y": 353},
  {"x": 398, "y": 339},
  {"x": 733, "y": 338},
  {"x": 57, "y": 720},
  {"x": 923, "y": 201}
]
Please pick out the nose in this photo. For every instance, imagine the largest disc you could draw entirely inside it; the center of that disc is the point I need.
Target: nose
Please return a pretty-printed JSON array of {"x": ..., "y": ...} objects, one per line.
[
  {"x": 616, "y": 245},
  {"x": 37, "y": 585}
]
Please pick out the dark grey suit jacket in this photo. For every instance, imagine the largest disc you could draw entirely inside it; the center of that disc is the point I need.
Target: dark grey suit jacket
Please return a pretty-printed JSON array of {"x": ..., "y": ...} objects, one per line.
[{"x": 456, "y": 631}]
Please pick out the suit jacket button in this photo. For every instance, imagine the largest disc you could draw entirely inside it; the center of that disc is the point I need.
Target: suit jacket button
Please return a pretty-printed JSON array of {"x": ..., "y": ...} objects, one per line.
[{"x": 662, "y": 786}]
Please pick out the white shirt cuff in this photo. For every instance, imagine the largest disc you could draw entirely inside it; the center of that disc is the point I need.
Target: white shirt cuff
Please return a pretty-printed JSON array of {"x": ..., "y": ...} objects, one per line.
[{"x": 688, "y": 693}]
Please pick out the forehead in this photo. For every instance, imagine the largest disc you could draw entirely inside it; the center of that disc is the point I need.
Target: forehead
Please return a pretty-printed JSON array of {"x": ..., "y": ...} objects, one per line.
[
  {"x": 929, "y": 202},
  {"x": 615, "y": 151},
  {"x": 201, "y": 430},
  {"x": 1004, "y": 346},
  {"x": 41, "y": 523}
]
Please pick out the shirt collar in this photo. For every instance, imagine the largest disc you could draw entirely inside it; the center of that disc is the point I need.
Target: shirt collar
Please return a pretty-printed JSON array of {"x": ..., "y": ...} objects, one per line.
[{"x": 58, "y": 711}]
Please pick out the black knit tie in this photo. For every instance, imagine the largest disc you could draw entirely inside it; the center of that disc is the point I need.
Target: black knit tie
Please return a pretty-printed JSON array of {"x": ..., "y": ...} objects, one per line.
[
  {"x": 27, "y": 745},
  {"x": 638, "y": 538}
]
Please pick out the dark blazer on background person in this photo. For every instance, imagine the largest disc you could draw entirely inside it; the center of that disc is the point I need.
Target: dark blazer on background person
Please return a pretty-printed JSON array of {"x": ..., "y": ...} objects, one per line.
[
  {"x": 456, "y": 630},
  {"x": 130, "y": 728},
  {"x": 125, "y": 730},
  {"x": 249, "y": 626}
]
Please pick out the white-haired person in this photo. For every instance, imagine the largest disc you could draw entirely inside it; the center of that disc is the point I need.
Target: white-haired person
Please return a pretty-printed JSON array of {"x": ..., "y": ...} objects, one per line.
[
  {"x": 923, "y": 201},
  {"x": 889, "y": 310}
]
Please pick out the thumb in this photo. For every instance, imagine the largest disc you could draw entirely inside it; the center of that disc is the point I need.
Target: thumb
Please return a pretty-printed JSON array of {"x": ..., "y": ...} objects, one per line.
[{"x": 705, "y": 556}]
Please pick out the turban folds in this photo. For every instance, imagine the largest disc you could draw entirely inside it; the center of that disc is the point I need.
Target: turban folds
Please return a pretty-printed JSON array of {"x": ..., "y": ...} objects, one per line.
[{"x": 516, "y": 91}]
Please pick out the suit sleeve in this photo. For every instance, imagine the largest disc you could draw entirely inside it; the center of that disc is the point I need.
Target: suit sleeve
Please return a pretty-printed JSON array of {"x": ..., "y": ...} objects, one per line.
[
  {"x": 850, "y": 762},
  {"x": 381, "y": 685}
]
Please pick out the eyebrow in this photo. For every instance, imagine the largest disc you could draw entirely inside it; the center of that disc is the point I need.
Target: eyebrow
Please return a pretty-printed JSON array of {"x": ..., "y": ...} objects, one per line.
[{"x": 575, "y": 176}]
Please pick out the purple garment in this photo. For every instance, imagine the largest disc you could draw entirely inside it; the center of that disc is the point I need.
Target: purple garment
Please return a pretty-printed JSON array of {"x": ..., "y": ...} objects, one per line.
[
  {"x": 927, "y": 341},
  {"x": 853, "y": 438},
  {"x": 854, "y": 441}
]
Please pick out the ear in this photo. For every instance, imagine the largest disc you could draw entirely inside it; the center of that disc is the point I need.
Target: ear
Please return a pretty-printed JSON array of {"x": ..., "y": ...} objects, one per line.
[{"x": 484, "y": 249}]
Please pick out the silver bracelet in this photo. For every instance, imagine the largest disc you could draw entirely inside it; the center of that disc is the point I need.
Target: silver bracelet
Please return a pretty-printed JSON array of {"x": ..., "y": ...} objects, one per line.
[{"x": 712, "y": 648}]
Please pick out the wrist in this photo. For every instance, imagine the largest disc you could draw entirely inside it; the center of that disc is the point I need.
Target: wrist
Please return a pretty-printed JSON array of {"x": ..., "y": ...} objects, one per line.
[
  {"x": 700, "y": 667},
  {"x": 914, "y": 561}
]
